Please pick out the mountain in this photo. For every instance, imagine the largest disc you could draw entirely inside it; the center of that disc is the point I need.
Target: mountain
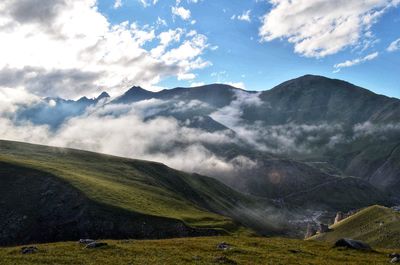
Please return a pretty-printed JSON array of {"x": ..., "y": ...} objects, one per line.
[
  {"x": 379, "y": 226},
  {"x": 54, "y": 194},
  {"x": 308, "y": 139},
  {"x": 311, "y": 99},
  {"x": 216, "y": 95},
  {"x": 55, "y": 111}
]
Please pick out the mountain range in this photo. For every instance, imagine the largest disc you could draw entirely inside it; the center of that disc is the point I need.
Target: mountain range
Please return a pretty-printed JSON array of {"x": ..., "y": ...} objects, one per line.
[{"x": 309, "y": 143}]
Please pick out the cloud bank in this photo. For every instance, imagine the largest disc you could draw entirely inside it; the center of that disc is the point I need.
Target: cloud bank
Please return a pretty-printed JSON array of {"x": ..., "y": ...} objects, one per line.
[
  {"x": 318, "y": 28},
  {"x": 68, "y": 48}
]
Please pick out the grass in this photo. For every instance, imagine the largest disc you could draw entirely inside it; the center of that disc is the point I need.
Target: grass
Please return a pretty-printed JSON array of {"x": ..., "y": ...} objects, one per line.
[
  {"x": 133, "y": 185},
  {"x": 244, "y": 250},
  {"x": 377, "y": 225}
]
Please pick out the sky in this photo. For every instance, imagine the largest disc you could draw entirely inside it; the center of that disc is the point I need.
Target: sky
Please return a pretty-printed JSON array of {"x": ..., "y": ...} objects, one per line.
[{"x": 74, "y": 48}]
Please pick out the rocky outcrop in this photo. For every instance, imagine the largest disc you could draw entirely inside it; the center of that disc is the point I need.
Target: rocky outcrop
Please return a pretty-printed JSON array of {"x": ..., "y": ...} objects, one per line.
[
  {"x": 323, "y": 228},
  {"x": 339, "y": 217},
  {"x": 311, "y": 231}
]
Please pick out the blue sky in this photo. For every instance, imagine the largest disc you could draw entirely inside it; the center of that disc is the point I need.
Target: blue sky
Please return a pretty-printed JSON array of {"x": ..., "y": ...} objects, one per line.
[
  {"x": 74, "y": 48},
  {"x": 242, "y": 58}
]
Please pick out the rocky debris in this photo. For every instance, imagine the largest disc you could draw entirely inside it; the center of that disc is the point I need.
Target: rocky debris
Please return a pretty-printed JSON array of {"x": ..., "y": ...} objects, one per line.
[
  {"x": 223, "y": 246},
  {"x": 323, "y": 228},
  {"x": 29, "y": 250},
  {"x": 96, "y": 245},
  {"x": 339, "y": 217},
  {"x": 311, "y": 231},
  {"x": 352, "y": 244},
  {"x": 224, "y": 260},
  {"x": 86, "y": 241}
]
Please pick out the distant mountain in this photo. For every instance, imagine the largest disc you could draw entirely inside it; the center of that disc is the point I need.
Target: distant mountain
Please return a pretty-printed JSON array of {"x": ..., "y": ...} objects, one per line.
[
  {"x": 54, "y": 111},
  {"x": 308, "y": 134},
  {"x": 216, "y": 95}
]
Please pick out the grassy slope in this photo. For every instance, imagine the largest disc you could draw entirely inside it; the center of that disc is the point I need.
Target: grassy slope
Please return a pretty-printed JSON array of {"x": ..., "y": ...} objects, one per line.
[
  {"x": 132, "y": 185},
  {"x": 376, "y": 225},
  {"x": 245, "y": 250}
]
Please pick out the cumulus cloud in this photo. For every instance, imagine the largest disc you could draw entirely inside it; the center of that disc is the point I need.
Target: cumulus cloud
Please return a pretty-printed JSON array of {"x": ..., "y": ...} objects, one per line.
[
  {"x": 394, "y": 46},
  {"x": 356, "y": 61},
  {"x": 69, "y": 49},
  {"x": 181, "y": 12},
  {"x": 318, "y": 28}
]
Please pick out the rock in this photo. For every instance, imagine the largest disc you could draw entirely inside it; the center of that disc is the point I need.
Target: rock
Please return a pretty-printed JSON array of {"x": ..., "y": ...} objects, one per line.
[
  {"x": 311, "y": 231},
  {"x": 339, "y": 217},
  {"x": 96, "y": 245},
  {"x": 353, "y": 244},
  {"x": 223, "y": 246},
  {"x": 224, "y": 260},
  {"x": 86, "y": 241},
  {"x": 323, "y": 228},
  {"x": 395, "y": 260},
  {"x": 29, "y": 250}
]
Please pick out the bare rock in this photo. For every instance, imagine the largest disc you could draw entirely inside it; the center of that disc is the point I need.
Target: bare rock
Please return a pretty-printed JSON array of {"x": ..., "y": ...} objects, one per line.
[
  {"x": 323, "y": 228},
  {"x": 311, "y": 231},
  {"x": 223, "y": 246},
  {"x": 96, "y": 245},
  {"x": 352, "y": 244},
  {"x": 86, "y": 241},
  {"x": 29, "y": 250},
  {"x": 339, "y": 217}
]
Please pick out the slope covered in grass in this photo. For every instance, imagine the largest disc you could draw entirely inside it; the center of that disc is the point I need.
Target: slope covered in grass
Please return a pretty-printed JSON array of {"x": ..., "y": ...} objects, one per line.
[
  {"x": 96, "y": 187},
  {"x": 244, "y": 250},
  {"x": 376, "y": 225}
]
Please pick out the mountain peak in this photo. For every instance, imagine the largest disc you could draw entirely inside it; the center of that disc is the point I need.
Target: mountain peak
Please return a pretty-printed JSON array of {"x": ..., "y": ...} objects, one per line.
[
  {"x": 136, "y": 93},
  {"x": 103, "y": 95}
]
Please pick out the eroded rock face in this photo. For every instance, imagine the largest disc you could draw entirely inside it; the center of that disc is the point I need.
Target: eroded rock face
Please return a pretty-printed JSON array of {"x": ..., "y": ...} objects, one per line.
[
  {"x": 339, "y": 217},
  {"x": 311, "y": 231}
]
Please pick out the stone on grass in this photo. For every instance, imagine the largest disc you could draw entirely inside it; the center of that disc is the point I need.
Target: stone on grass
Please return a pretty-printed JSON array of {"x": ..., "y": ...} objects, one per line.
[{"x": 352, "y": 244}]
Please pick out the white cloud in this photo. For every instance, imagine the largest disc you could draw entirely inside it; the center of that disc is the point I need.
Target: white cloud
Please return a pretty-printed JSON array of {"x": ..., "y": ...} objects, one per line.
[
  {"x": 181, "y": 12},
  {"x": 245, "y": 16},
  {"x": 356, "y": 61},
  {"x": 117, "y": 4},
  {"x": 394, "y": 46},
  {"x": 318, "y": 28},
  {"x": 123, "y": 130},
  {"x": 68, "y": 48}
]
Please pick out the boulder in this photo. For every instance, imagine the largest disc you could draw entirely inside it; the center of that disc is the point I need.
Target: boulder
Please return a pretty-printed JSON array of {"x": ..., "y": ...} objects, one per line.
[
  {"x": 395, "y": 260},
  {"x": 353, "y": 244},
  {"x": 96, "y": 245},
  {"x": 223, "y": 246},
  {"x": 86, "y": 241},
  {"x": 29, "y": 250}
]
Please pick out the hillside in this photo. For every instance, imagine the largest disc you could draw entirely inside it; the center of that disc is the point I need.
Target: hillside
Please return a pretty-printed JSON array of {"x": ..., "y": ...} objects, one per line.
[
  {"x": 55, "y": 194},
  {"x": 243, "y": 250},
  {"x": 377, "y": 225}
]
